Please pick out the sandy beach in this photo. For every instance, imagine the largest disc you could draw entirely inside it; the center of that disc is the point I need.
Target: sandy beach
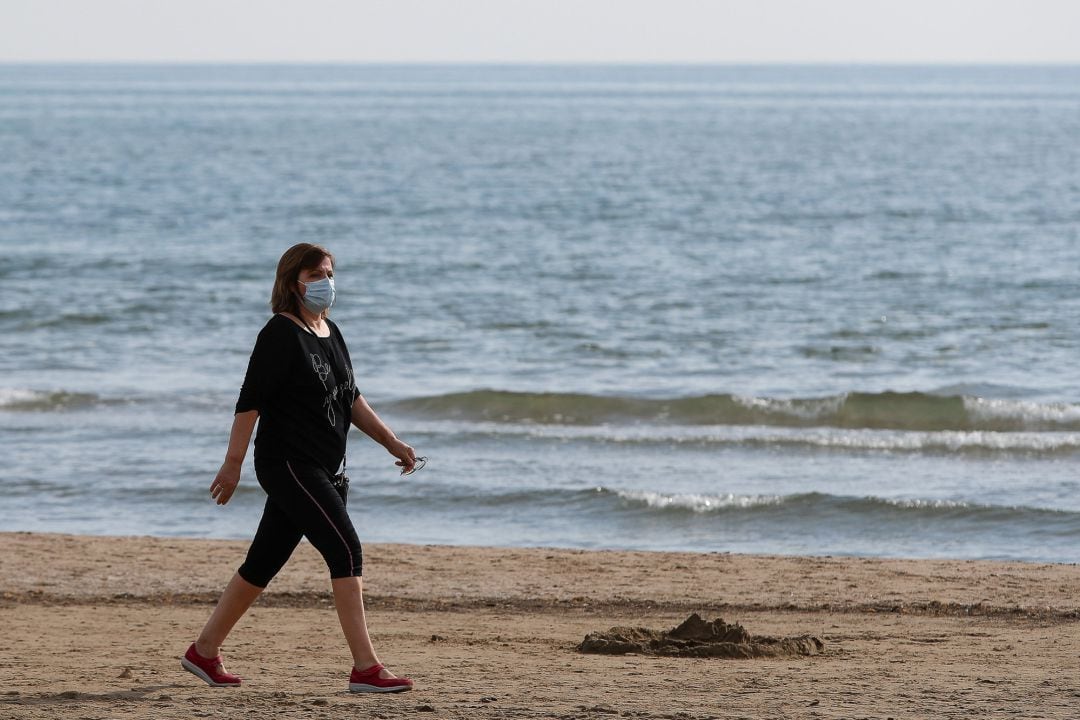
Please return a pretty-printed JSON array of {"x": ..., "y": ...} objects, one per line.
[{"x": 93, "y": 627}]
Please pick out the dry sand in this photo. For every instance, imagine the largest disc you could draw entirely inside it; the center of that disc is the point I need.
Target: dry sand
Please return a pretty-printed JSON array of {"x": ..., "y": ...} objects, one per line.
[{"x": 92, "y": 627}]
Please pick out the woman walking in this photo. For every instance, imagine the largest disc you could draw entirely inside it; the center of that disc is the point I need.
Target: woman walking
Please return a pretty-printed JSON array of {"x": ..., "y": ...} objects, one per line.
[{"x": 300, "y": 387}]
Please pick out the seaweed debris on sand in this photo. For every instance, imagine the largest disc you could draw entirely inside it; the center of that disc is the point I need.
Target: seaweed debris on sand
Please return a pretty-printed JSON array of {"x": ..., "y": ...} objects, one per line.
[{"x": 697, "y": 638}]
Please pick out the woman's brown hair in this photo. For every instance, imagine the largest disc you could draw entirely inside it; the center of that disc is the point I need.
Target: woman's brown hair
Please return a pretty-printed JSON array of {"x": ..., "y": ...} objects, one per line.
[{"x": 302, "y": 256}]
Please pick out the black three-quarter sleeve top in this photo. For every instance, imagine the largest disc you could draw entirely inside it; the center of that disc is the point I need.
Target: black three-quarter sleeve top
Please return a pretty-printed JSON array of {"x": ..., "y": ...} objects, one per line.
[{"x": 303, "y": 387}]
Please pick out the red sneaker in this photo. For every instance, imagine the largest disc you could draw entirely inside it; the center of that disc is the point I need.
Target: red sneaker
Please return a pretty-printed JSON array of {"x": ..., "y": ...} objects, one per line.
[
  {"x": 368, "y": 681},
  {"x": 209, "y": 669}
]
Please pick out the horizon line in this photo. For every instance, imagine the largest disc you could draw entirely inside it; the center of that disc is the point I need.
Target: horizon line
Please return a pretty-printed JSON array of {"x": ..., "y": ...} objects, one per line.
[{"x": 560, "y": 63}]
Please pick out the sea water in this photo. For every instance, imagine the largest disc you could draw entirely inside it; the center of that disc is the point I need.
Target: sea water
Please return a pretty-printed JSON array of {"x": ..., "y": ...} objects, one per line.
[{"x": 824, "y": 310}]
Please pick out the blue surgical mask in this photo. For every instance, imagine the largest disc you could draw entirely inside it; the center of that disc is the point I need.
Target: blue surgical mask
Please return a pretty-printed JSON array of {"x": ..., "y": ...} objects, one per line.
[{"x": 320, "y": 294}]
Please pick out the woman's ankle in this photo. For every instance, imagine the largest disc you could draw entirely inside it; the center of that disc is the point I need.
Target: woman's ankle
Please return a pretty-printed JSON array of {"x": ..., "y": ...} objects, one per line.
[
  {"x": 207, "y": 650},
  {"x": 365, "y": 664}
]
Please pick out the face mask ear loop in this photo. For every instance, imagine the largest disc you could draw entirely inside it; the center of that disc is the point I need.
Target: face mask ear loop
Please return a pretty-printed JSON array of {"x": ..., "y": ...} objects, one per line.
[{"x": 300, "y": 304}]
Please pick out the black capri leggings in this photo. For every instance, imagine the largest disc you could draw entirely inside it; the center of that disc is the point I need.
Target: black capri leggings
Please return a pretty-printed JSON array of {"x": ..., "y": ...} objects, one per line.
[{"x": 301, "y": 501}]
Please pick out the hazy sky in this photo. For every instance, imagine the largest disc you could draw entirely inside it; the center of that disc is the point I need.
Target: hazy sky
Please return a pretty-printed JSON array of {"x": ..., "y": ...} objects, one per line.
[{"x": 542, "y": 30}]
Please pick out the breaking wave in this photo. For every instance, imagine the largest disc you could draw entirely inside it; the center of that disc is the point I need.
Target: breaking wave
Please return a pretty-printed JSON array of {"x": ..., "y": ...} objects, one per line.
[
  {"x": 17, "y": 399},
  {"x": 915, "y": 411}
]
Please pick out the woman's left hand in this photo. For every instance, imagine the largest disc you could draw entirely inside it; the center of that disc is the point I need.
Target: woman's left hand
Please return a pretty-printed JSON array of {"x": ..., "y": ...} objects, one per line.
[{"x": 404, "y": 453}]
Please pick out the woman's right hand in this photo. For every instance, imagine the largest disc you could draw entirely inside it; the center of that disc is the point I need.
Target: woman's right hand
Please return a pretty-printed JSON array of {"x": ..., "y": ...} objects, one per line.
[{"x": 225, "y": 483}]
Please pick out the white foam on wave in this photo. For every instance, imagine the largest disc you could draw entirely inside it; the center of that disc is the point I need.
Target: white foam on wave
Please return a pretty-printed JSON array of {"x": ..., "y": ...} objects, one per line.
[
  {"x": 26, "y": 399},
  {"x": 697, "y": 502},
  {"x": 1027, "y": 413},
  {"x": 921, "y": 503},
  {"x": 949, "y": 440},
  {"x": 13, "y": 397},
  {"x": 804, "y": 409},
  {"x": 854, "y": 440}
]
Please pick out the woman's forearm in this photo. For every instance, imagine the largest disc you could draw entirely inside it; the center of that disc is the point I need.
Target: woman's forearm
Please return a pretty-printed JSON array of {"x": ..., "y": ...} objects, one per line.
[
  {"x": 365, "y": 419},
  {"x": 242, "y": 427}
]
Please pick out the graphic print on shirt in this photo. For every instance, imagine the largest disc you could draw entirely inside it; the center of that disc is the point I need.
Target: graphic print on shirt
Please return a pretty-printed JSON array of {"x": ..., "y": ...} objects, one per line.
[{"x": 322, "y": 369}]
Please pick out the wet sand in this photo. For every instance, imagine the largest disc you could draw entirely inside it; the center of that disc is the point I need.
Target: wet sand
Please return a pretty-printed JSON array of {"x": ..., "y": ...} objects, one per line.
[{"x": 92, "y": 628}]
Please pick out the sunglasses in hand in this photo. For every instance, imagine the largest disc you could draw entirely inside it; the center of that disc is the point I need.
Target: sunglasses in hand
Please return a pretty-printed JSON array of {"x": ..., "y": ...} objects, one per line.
[{"x": 420, "y": 463}]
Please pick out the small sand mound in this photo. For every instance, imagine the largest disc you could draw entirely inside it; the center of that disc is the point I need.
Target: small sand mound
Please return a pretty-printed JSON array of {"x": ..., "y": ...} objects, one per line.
[{"x": 697, "y": 638}]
